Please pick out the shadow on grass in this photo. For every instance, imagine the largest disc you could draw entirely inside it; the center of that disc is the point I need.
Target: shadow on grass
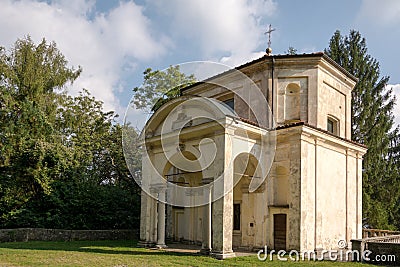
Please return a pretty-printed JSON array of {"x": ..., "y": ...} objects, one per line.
[{"x": 126, "y": 247}]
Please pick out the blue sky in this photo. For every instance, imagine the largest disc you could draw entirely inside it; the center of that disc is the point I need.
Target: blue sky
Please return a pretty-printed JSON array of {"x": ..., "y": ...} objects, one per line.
[{"x": 114, "y": 41}]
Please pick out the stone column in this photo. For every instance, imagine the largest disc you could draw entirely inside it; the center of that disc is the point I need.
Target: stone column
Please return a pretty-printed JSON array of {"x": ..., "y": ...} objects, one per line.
[
  {"x": 207, "y": 219},
  {"x": 161, "y": 219},
  {"x": 223, "y": 227},
  {"x": 147, "y": 212},
  {"x": 153, "y": 221},
  {"x": 190, "y": 194},
  {"x": 145, "y": 221},
  {"x": 222, "y": 213}
]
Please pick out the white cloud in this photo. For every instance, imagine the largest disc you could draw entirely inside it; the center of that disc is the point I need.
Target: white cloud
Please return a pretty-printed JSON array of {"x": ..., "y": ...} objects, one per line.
[
  {"x": 103, "y": 44},
  {"x": 396, "y": 111},
  {"x": 240, "y": 58},
  {"x": 110, "y": 45},
  {"x": 228, "y": 27},
  {"x": 379, "y": 12},
  {"x": 80, "y": 7}
]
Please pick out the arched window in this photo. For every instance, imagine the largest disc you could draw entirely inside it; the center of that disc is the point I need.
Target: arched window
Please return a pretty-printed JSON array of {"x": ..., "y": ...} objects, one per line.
[
  {"x": 332, "y": 125},
  {"x": 292, "y": 102}
]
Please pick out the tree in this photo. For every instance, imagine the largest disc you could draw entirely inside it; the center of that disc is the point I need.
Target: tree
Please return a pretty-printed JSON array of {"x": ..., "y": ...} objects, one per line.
[
  {"x": 61, "y": 160},
  {"x": 85, "y": 129},
  {"x": 95, "y": 190},
  {"x": 159, "y": 87},
  {"x": 31, "y": 76},
  {"x": 291, "y": 51},
  {"x": 372, "y": 125}
]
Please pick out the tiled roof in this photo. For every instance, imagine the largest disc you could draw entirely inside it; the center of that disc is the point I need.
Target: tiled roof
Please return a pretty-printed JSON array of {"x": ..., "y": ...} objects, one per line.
[{"x": 267, "y": 57}]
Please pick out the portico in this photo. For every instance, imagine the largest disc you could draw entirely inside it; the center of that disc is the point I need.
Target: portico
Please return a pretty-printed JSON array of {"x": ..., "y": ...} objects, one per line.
[{"x": 207, "y": 217}]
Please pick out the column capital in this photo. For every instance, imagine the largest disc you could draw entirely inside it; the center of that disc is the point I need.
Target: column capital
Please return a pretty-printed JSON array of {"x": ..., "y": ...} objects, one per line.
[{"x": 158, "y": 188}]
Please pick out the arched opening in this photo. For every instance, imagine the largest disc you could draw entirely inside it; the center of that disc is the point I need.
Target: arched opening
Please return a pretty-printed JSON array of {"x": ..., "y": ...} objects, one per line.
[
  {"x": 280, "y": 185},
  {"x": 292, "y": 102},
  {"x": 184, "y": 224},
  {"x": 244, "y": 202}
]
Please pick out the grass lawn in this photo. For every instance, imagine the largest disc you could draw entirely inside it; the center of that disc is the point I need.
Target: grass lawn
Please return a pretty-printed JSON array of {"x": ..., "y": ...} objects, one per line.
[{"x": 121, "y": 253}]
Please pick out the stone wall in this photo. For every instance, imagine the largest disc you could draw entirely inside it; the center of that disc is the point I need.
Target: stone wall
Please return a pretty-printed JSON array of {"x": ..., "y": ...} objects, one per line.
[
  {"x": 382, "y": 252},
  {"x": 40, "y": 234}
]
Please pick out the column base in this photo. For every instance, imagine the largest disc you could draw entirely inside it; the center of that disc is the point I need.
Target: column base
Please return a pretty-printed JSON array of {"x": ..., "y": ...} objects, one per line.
[
  {"x": 205, "y": 251},
  {"x": 222, "y": 255},
  {"x": 161, "y": 246},
  {"x": 145, "y": 244}
]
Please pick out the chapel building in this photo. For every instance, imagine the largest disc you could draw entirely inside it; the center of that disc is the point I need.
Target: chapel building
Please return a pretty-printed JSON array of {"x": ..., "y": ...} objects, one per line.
[{"x": 309, "y": 191}]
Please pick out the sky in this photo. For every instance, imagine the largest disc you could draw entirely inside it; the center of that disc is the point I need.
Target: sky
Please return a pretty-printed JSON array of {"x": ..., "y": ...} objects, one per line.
[{"x": 115, "y": 41}]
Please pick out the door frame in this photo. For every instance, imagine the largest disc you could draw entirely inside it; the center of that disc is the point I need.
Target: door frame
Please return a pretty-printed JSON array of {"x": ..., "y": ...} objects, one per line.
[{"x": 272, "y": 211}]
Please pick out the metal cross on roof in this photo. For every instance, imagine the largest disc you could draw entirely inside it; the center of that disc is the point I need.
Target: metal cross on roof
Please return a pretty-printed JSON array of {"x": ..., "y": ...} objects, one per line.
[{"x": 270, "y": 29}]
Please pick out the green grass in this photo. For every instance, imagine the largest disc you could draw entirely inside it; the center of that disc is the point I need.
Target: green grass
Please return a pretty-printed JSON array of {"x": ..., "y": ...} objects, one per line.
[{"x": 121, "y": 253}]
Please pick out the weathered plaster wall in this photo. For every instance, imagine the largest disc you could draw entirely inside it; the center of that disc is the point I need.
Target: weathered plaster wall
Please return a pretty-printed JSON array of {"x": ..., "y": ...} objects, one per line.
[
  {"x": 332, "y": 102},
  {"x": 331, "y": 197},
  {"x": 294, "y": 193},
  {"x": 334, "y": 97},
  {"x": 308, "y": 203},
  {"x": 330, "y": 191}
]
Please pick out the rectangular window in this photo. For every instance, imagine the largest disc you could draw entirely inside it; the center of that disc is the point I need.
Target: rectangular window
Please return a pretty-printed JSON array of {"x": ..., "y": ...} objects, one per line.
[
  {"x": 236, "y": 217},
  {"x": 330, "y": 126},
  {"x": 230, "y": 103}
]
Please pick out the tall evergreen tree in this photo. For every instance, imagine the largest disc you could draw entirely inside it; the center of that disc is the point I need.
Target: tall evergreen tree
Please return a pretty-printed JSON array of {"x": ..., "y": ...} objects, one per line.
[{"x": 373, "y": 126}]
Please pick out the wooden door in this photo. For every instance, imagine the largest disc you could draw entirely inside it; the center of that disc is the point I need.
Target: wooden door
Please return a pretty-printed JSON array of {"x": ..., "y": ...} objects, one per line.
[{"x": 279, "y": 231}]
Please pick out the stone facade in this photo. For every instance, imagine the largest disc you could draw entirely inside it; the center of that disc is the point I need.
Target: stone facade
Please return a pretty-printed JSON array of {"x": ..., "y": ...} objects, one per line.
[{"x": 311, "y": 196}]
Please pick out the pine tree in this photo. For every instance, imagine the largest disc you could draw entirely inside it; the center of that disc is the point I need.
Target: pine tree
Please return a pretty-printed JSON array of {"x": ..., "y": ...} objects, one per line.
[{"x": 372, "y": 125}]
